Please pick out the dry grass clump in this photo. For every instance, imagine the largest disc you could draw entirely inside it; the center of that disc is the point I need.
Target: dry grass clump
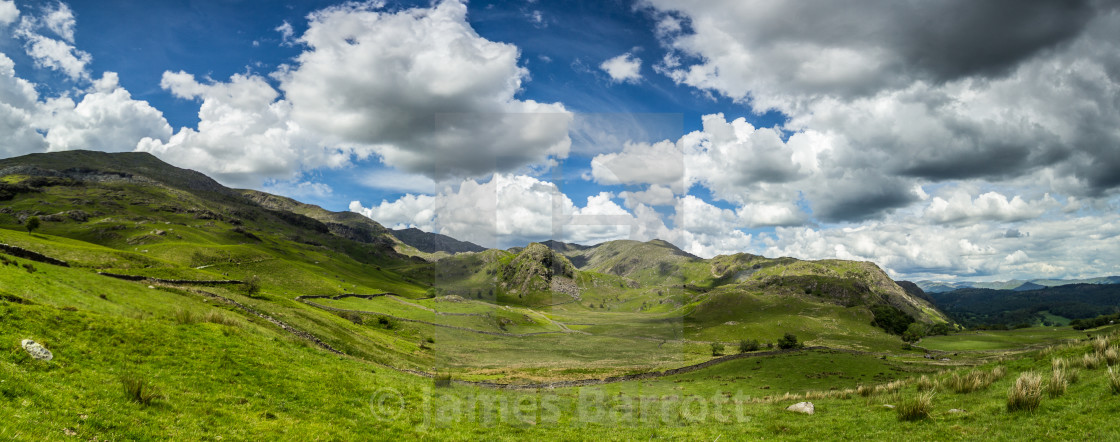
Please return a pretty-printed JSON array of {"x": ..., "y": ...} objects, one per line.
[
  {"x": 1100, "y": 344},
  {"x": 998, "y": 373},
  {"x": 974, "y": 380},
  {"x": 1113, "y": 381},
  {"x": 924, "y": 383},
  {"x": 1091, "y": 361},
  {"x": 1111, "y": 356},
  {"x": 1059, "y": 381},
  {"x": 1026, "y": 394},
  {"x": 864, "y": 390},
  {"x": 917, "y": 408}
]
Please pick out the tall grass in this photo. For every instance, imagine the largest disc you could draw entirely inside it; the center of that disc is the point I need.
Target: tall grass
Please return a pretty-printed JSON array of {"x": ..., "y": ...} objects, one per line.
[
  {"x": 924, "y": 383},
  {"x": 1091, "y": 361},
  {"x": 1111, "y": 356},
  {"x": 1100, "y": 344},
  {"x": 1059, "y": 382},
  {"x": 1026, "y": 394},
  {"x": 185, "y": 317},
  {"x": 917, "y": 408},
  {"x": 138, "y": 389},
  {"x": 1113, "y": 381},
  {"x": 974, "y": 380}
]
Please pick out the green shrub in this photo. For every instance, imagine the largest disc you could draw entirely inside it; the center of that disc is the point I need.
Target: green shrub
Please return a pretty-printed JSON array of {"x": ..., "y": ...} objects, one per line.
[
  {"x": 789, "y": 341},
  {"x": 1026, "y": 393},
  {"x": 717, "y": 349},
  {"x": 32, "y": 224},
  {"x": 749, "y": 345}
]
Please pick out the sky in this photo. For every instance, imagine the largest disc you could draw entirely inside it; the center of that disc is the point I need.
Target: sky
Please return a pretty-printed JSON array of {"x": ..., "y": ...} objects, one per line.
[{"x": 946, "y": 140}]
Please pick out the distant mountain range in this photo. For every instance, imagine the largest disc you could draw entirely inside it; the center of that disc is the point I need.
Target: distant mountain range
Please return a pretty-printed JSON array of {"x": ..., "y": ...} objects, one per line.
[
  {"x": 1015, "y": 284},
  {"x": 428, "y": 242}
]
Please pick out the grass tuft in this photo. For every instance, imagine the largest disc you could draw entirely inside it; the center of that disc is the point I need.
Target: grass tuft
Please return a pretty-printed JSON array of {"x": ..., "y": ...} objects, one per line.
[
  {"x": 924, "y": 383},
  {"x": 1100, "y": 344},
  {"x": 917, "y": 408},
  {"x": 1113, "y": 381},
  {"x": 974, "y": 380},
  {"x": 1026, "y": 393},
  {"x": 1111, "y": 356},
  {"x": 1059, "y": 381},
  {"x": 1091, "y": 361},
  {"x": 138, "y": 389}
]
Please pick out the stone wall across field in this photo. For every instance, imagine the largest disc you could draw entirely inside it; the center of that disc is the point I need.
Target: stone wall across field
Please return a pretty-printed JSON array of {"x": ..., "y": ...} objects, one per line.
[
  {"x": 20, "y": 252},
  {"x": 172, "y": 281}
]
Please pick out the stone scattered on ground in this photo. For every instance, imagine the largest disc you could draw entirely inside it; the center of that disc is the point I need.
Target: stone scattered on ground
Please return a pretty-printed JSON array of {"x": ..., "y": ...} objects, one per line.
[
  {"x": 801, "y": 407},
  {"x": 37, "y": 351},
  {"x": 956, "y": 410},
  {"x": 888, "y": 406}
]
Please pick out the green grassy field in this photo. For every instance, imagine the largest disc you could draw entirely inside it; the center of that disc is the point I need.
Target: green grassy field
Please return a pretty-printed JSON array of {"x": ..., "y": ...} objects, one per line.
[{"x": 1001, "y": 339}]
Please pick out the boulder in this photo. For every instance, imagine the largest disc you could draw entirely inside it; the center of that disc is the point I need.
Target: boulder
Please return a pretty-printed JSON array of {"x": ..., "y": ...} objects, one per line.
[
  {"x": 801, "y": 407},
  {"x": 37, "y": 351}
]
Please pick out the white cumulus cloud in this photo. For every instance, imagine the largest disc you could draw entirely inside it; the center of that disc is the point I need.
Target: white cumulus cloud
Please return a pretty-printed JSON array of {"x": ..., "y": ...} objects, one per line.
[
  {"x": 625, "y": 68},
  {"x": 423, "y": 89}
]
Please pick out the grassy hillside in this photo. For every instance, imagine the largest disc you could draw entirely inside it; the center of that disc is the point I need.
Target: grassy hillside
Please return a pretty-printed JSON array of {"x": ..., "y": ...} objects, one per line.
[{"x": 257, "y": 316}]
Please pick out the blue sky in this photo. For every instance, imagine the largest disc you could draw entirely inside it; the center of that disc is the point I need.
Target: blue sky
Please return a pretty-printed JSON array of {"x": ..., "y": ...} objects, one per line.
[{"x": 940, "y": 140}]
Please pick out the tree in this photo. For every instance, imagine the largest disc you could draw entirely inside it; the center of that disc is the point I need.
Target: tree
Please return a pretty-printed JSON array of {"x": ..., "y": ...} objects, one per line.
[
  {"x": 253, "y": 285},
  {"x": 914, "y": 332},
  {"x": 32, "y": 224},
  {"x": 748, "y": 345},
  {"x": 717, "y": 349},
  {"x": 789, "y": 341}
]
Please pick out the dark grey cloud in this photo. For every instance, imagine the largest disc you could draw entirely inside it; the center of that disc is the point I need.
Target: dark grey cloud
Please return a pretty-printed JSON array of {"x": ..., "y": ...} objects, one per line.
[
  {"x": 860, "y": 195},
  {"x": 951, "y": 39}
]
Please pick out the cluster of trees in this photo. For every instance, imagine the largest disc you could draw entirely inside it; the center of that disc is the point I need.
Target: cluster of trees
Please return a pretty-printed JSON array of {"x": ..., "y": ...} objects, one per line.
[
  {"x": 897, "y": 322},
  {"x": 788, "y": 341},
  {"x": 999, "y": 309},
  {"x": 1085, "y": 324}
]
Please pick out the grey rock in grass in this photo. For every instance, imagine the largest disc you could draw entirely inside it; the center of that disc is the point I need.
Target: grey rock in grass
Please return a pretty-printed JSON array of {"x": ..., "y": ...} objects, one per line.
[
  {"x": 956, "y": 410},
  {"x": 888, "y": 406},
  {"x": 37, "y": 351},
  {"x": 802, "y": 407}
]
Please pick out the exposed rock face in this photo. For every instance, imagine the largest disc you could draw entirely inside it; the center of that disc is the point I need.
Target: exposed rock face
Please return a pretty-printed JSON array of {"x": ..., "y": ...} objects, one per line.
[
  {"x": 37, "y": 351},
  {"x": 536, "y": 268},
  {"x": 802, "y": 407}
]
